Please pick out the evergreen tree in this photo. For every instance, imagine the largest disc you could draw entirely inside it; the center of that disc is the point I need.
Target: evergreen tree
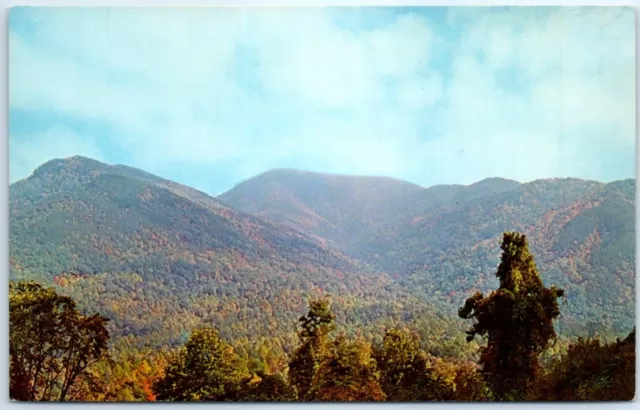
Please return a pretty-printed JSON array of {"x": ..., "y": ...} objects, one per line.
[{"x": 517, "y": 318}]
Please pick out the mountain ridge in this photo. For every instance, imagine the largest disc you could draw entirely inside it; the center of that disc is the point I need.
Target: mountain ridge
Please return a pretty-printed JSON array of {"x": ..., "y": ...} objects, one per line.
[
  {"x": 370, "y": 241},
  {"x": 330, "y": 174},
  {"x": 449, "y": 234},
  {"x": 159, "y": 264}
]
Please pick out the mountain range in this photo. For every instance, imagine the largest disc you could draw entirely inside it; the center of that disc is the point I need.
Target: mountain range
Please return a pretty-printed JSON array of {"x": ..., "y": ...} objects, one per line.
[{"x": 160, "y": 258}]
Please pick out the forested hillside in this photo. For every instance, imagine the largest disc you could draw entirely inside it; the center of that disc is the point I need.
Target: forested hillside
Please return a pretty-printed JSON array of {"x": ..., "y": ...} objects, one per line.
[
  {"x": 57, "y": 353},
  {"x": 442, "y": 240},
  {"x": 159, "y": 260}
]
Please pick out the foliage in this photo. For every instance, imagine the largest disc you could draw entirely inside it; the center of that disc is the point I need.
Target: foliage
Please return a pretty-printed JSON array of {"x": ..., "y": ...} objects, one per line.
[
  {"x": 52, "y": 345},
  {"x": 128, "y": 375},
  {"x": 405, "y": 373},
  {"x": 591, "y": 371},
  {"x": 342, "y": 369},
  {"x": 269, "y": 387},
  {"x": 205, "y": 369},
  {"x": 346, "y": 373},
  {"x": 397, "y": 361},
  {"x": 314, "y": 331},
  {"x": 410, "y": 374},
  {"x": 517, "y": 319},
  {"x": 439, "y": 241},
  {"x": 161, "y": 260}
]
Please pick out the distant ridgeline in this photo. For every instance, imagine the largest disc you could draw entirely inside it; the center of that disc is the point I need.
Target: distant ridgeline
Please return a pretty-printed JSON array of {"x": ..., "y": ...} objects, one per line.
[{"x": 160, "y": 259}]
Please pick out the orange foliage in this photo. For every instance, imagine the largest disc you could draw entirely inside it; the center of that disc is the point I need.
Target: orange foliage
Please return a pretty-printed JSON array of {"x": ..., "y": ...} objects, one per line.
[{"x": 146, "y": 387}]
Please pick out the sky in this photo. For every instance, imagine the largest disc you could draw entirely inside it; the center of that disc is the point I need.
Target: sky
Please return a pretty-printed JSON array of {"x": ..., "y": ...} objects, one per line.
[{"x": 211, "y": 97}]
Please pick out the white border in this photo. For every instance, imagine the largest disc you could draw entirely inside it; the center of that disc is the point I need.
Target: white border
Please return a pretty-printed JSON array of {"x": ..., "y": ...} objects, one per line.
[{"x": 4, "y": 193}]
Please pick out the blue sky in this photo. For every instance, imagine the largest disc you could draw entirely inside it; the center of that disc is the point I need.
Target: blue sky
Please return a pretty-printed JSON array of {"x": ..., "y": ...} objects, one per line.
[{"x": 210, "y": 97}]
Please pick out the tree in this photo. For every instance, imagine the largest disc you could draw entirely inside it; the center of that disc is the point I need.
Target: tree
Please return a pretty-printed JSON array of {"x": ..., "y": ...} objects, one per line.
[
  {"x": 406, "y": 372},
  {"x": 315, "y": 327},
  {"x": 396, "y": 362},
  {"x": 51, "y": 345},
  {"x": 206, "y": 368},
  {"x": 469, "y": 384},
  {"x": 347, "y": 373},
  {"x": 270, "y": 387},
  {"x": 591, "y": 371},
  {"x": 517, "y": 318}
]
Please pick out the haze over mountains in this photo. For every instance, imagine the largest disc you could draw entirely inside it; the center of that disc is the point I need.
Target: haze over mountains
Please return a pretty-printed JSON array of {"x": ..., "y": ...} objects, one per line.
[
  {"x": 349, "y": 211},
  {"x": 144, "y": 250}
]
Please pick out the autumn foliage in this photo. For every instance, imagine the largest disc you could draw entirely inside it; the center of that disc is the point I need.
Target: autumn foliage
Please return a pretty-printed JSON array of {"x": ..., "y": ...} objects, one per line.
[{"x": 59, "y": 353}]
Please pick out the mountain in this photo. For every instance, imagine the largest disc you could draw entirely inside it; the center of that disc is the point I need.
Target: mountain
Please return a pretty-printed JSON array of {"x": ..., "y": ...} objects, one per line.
[
  {"x": 75, "y": 198},
  {"x": 340, "y": 209},
  {"x": 444, "y": 241},
  {"x": 160, "y": 259},
  {"x": 347, "y": 211}
]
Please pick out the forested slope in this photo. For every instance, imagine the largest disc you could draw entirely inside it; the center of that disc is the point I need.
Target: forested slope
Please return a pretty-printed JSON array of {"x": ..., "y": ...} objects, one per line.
[
  {"x": 442, "y": 240},
  {"x": 160, "y": 259}
]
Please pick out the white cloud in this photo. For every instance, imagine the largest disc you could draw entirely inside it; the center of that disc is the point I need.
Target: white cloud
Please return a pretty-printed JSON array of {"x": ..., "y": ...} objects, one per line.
[
  {"x": 303, "y": 55},
  {"x": 378, "y": 101},
  {"x": 420, "y": 93},
  {"x": 569, "y": 95}
]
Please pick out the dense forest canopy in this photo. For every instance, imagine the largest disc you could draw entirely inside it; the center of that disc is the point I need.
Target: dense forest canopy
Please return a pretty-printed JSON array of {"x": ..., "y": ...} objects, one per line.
[
  {"x": 56, "y": 350},
  {"x": 163, "y": 274}
]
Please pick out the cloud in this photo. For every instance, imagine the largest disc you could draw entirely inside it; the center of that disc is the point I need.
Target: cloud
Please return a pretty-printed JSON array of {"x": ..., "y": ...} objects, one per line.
[
  {"x": 333, "y": 67},
  {"x": 545, "y": 91},
  {"x": 511, "y": 92}
]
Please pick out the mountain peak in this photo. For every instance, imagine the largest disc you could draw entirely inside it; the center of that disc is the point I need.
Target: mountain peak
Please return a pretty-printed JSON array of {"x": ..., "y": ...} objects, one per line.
[
  {"x": 493, "y": 185},
  {"x": 79, "y": 158},
  {"x": 289, "y": 175},
  {"x": 74, "y": 163},
  {"x": 496, "y": 180}
]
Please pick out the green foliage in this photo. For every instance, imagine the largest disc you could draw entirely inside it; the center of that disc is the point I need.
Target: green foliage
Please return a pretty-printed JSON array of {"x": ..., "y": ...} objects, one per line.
[
  {"x": 405, "y": 374},
  {"x": 439, "y": 241},
  {"x": 314, "y": 331},
  {"x": 517, "y": 319},
  {"x": 347, "y": 372},
  {"x": 269, "y": 387},
  {"x": 410, "y": 374},
  {"x": 319, "y": 321},
  {"x": 160, "y": 260},
  {"x": 591, "y": 371},
  {"x": 51, "y": 345},
  {"x": 396, "y": 359},
  {"x": 205, "y": 369},
  {"x": 340, "y": 369}
]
